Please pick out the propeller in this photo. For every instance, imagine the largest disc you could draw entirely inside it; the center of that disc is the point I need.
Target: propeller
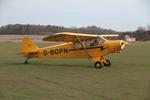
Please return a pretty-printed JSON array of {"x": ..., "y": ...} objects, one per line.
[{"x": 123, "y": 44}]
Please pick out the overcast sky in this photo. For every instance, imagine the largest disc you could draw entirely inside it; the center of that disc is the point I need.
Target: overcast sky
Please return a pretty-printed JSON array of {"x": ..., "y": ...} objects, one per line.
[{"x": 120, "y": 15}]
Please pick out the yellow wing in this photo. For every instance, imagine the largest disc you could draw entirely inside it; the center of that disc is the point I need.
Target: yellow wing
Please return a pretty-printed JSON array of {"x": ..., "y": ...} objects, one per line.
[
  {"x": 72, "y": 37},
  {"x": 109, "y": 35}
]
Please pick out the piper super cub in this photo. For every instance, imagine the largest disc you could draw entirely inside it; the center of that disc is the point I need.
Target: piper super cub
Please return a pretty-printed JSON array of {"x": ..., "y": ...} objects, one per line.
[{"x": 76, "y": 45}]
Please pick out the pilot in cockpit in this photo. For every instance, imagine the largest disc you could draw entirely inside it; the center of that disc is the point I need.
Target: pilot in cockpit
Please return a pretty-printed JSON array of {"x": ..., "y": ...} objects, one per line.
[
  {"x": 95, "y": 42},
  {"x": 98, "y": 41}
]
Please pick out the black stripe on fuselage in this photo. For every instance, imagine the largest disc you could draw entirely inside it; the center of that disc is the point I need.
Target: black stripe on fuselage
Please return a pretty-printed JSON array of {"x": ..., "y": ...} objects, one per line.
[{"x": 101, "y": 48}]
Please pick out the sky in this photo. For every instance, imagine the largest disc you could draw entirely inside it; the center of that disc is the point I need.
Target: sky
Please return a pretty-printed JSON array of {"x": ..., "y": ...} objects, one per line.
[{"x": 119, "y": 15}]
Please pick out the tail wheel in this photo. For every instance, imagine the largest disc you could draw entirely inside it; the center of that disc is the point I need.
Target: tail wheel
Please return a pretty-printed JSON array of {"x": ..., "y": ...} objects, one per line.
[
  {"x": 98, "y": 64},
  {"x": 107, "y": 63},
  {"x": 26, "y": 60}
]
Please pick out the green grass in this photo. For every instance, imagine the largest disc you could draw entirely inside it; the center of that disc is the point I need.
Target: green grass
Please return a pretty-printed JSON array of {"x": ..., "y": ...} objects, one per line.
[{"x": 75, "y": 79}]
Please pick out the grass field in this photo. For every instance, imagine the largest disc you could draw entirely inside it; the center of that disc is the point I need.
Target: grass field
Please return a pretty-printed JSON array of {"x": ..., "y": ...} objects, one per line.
[{"x": 68, "y": 79}]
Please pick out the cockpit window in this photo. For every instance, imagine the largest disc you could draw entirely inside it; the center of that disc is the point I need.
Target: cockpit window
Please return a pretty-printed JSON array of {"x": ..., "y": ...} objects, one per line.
[
  {"x": 101, "y": 39},
  {"x": 92, "y": 42},
  {"x": 78, "y": 45},
  {"x": 98, "y": 41}
]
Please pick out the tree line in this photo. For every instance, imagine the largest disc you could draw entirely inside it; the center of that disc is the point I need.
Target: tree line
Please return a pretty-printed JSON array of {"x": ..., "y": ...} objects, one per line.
[
  {"x": 19, "y": 29},
  {"x": 141, "y": 34}
]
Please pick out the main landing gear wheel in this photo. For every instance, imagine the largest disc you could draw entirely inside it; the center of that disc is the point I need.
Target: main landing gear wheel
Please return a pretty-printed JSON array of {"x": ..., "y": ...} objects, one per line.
[
  {"x": 98, "y": 64},
  {"x": 107, "y": 63}
]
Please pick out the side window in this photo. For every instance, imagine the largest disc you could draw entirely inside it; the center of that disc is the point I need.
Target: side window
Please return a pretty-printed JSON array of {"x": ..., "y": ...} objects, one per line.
[
  {"x": 95, "y": 42},
  {"x": 101, "y": 39},
  {"x": 78, "y": 45},
  {"x": 91, "y": 42}
]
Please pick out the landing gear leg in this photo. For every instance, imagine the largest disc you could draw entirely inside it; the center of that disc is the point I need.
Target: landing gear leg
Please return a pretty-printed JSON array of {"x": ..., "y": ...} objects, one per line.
[
  {"x": 106, "y": 62},
  {"x": 26, "y": 60}
]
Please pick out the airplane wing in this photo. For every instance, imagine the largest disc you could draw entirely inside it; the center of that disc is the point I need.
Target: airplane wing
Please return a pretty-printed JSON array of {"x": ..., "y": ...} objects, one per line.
[
  {"x": 72, "y": 37},
  {"x": 109, "y": 35}
]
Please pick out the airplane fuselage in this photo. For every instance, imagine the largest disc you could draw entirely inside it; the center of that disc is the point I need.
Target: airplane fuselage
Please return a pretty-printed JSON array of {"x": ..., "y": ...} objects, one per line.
[{"x": 70, "y": 51}]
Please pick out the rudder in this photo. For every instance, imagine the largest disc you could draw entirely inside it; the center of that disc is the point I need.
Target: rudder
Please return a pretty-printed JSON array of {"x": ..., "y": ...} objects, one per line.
[{"x": 28, "y": 46}]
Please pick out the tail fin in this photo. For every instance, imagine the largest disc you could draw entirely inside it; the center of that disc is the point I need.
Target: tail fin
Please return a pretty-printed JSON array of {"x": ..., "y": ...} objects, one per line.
[{"x": 28, "y": 46}]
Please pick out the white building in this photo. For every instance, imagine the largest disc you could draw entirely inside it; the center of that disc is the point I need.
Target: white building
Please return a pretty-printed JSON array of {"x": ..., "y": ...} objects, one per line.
[{"x": 129, "y": 39}]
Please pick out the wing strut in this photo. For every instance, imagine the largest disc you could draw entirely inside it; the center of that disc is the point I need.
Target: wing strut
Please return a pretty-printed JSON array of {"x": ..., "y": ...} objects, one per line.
[{"x": 83, "y": 47}]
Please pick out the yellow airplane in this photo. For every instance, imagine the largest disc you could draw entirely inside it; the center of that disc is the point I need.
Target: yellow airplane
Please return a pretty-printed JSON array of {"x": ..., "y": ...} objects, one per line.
[{"x": 76, "y": 45}]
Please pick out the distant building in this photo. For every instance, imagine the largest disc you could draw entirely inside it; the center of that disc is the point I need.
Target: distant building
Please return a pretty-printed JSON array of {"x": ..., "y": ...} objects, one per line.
[{"x": 129, "y": 39}]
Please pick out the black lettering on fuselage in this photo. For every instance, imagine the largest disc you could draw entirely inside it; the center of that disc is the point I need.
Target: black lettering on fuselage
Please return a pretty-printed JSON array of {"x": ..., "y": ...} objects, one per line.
[
  {"x": 51, "y": 52},
  {"x": 44, "y": 52},
  {"x": 60, "y": 51},
  {"x": 65, "y": 50},
  {"x": 55, "y": 51}
]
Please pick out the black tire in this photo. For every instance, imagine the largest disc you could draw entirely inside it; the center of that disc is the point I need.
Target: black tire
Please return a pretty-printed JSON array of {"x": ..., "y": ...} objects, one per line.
[
  {"x": 98, "y": 65},
  {"x": 108, "y": 63},
  {"x": 26, "y": 62}
]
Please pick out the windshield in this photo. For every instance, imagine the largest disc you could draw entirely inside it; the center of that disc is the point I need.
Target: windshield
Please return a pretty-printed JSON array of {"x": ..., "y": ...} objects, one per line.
[{"x": 101, "y": 39}]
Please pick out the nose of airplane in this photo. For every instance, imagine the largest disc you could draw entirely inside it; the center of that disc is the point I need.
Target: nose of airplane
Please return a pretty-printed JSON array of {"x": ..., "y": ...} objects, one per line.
[{"x": 123, "y": 44}]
